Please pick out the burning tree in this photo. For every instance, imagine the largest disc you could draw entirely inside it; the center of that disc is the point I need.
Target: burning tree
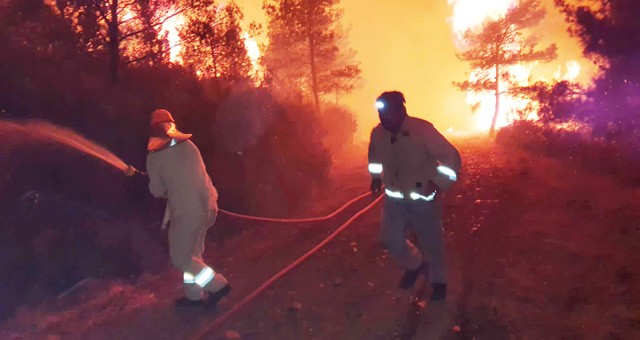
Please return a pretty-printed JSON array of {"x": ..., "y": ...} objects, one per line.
[
  {"x": 303, "y": 53},
  {"x": 552, "y": 102},
  {"x": 502, "y": 43},
  {"x": 213, "y": 45},
  {"x": 129, "y": 31}
]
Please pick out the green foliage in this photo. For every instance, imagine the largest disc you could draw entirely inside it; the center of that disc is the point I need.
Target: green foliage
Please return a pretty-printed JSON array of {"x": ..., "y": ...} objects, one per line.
[
  {"x": 64, "y": 85},
  {"x": 213, "y": 45},
  {"x": 122, "y": 31},
  {"x": 304, "y": 56},
  {"x": 338, "y": 125},
  {"x": 552, "y": 102},
  {"x": 608, "y": 31},
  {"x": 576, "y": 147}
]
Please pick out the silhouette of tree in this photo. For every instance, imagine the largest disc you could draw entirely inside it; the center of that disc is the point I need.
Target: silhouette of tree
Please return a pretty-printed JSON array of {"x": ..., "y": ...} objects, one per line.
[
  {"x": 502, "y": 43},
  {"x": 122, "y": 30},
  {"x": 608, "y": 31},
  {"x": 213, "y": 45},
  {"x": 304, "y": 54}
]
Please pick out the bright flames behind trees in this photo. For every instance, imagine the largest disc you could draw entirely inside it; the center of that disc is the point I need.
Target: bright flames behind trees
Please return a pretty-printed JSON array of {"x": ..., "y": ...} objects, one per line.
[
  {"x": 470, "y": 15},
  {"x": 172, "y": 26}
]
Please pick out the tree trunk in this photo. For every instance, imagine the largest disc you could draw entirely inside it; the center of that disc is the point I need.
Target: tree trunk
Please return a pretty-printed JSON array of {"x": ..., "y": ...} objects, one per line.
[
  {"x": 312, "y": 61},
  {"x": 492, "y": 131},
  {"x": 114, "y": 43},
  {"x": 214, "y": 58}
]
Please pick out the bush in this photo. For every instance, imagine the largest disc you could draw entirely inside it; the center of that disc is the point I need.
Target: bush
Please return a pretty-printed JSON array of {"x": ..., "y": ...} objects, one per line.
[
  {"x": 264, "y": 155},
  {"x": 575, "y": 147},
  {"x": 338, "y": 127}
]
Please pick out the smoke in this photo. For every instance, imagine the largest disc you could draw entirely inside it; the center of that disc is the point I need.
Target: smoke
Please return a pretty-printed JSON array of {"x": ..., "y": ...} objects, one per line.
[{"x": 243, "y": 117}]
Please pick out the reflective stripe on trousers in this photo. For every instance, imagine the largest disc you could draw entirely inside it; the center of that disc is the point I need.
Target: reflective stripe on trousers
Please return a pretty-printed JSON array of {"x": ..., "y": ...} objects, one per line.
[
  {"x": 186, "y": 244},
  {"x": 201, "y": 279}
]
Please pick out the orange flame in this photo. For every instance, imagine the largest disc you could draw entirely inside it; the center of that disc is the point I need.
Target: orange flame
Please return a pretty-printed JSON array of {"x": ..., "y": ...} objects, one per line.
[
  {"x": 470, "y": 15},
  {"x": 171, "y": 27},
  {"x": 253, "y": 51}
]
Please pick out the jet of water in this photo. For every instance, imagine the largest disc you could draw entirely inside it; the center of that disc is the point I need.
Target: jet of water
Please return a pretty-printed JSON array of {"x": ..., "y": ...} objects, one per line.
[{"x": 42, "y": 131}]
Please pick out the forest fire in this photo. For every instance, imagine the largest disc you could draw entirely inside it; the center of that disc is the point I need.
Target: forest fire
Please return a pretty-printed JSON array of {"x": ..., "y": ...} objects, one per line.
[
  {"x": 175, "y": 23},
  {"x": 471, "y": 15},
  {"x": 267, "y": 188},
  {"x": 171, "y": 28},
  {"x": 253, "y": 51}
]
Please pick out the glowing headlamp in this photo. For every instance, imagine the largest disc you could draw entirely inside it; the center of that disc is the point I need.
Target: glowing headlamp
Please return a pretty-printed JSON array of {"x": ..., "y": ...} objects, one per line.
[{"x": 380, "y": 105}]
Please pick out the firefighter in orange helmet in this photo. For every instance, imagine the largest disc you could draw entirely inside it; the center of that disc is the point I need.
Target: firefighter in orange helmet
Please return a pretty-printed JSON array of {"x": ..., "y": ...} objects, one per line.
[
  {"x": 416, "y": 164},
  {"x": 176, "y": 172}
]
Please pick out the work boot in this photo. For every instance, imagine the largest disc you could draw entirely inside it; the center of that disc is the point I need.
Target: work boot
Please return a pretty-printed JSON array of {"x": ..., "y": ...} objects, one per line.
[
  {"x": 184, "y": 302},
  {"x": 215, "y": 297},
  {"x": 409, "y": 277},
  {"x": 439, "y": 292}
]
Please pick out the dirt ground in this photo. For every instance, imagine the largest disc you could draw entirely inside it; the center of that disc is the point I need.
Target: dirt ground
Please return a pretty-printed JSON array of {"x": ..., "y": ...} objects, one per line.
[{"x": 537, "y": 250}]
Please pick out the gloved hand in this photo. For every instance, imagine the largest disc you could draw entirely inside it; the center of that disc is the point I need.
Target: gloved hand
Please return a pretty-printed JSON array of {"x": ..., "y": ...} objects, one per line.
[
  {"x": 431, "y": 187},
  {"x": 167, "y": 217},
  {"x": 131, "y": 171},
  {"x": 376, "y": 186},
  {"x": 165, "y": 224}
]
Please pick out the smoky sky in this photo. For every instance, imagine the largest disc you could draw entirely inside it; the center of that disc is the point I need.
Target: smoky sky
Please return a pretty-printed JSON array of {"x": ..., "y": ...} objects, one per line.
[{"x": 409, "y": 46}]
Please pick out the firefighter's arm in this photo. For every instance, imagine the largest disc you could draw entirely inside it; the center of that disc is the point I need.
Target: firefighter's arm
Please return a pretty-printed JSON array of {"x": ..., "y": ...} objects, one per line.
[
  {"x": 375, "y": 166},
  {"x": 156, "y": 185},
  {"x": 449, "y": 160},
  {"x": 167, "y": 217}
]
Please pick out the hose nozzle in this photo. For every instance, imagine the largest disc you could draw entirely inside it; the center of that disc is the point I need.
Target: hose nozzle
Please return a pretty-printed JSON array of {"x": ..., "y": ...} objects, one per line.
[{"x": 131, "y": 171}]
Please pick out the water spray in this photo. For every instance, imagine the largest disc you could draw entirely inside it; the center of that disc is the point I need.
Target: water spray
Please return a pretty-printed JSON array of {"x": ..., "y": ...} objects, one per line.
[{"x": 38, "y": 130}]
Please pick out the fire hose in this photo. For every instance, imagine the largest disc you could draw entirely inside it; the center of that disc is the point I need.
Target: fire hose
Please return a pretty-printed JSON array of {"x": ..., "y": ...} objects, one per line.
[
  {"x": 296, "y": 220},
  {"x": 221, "y": 319},
  {"x": 131, "y": 171},
  {"x": 234, "y": 309}
]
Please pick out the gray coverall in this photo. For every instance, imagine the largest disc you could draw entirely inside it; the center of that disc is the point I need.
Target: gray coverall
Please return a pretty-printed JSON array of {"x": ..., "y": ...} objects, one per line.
[
  {"x": 178, "y": 174},
  {"x": 407, "y": 162}
]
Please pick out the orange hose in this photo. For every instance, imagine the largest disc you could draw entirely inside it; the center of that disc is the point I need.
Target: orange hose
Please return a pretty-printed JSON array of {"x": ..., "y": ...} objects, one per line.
[
  {"x": 296, "y": 220},
  {"x": 218, "y": 321}
]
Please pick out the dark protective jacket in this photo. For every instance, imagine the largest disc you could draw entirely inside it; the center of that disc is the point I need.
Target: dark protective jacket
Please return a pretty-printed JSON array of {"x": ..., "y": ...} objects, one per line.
[{"x": 408, "y": 160}]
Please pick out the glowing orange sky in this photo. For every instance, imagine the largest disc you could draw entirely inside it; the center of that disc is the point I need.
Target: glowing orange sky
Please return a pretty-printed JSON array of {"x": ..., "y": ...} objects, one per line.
[{"x": 409, "y": 46}]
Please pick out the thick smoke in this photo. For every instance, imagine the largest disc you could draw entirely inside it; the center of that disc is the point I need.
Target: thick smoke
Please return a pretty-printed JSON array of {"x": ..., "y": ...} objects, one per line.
[{"x": 243, "y": 117}]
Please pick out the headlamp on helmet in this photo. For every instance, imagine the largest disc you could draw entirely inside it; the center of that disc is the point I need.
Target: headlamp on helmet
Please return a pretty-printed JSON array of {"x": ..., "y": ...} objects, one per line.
[{"x": 390, "y": 101}]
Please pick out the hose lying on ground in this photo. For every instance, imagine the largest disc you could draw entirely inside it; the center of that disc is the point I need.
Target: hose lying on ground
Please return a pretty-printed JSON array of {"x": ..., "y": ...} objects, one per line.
[
  {"x": 296, "y": 220},
  {"x": 218, "y": 321}
]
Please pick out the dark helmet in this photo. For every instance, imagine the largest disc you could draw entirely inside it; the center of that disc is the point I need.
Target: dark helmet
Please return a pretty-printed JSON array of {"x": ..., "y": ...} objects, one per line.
[{"x": 391, "y": 101}]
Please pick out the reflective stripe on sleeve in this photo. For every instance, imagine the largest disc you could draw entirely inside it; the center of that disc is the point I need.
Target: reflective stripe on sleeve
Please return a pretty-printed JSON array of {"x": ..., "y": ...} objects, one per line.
[
  {"x": 375, "y": 168},
  {"x": 448, "y": 172}
]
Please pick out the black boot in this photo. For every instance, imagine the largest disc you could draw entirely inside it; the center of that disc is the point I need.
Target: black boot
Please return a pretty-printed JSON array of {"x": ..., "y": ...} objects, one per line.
[
  {"x": 439, "y": 292},
  {"x": 214, "y": 298},
  {"x": 409, "y": 277},
  {"x": 187, "y": 303}
]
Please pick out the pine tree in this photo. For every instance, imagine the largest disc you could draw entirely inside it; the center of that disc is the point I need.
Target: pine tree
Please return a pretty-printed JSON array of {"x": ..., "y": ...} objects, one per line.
[
  {"x": 122, "y": 31},
  {"x": 213, "y": 45},
  {"x": 502, "y": 43},
  {"x": 608, "y": 30},
  {"x": 303, "y": 56}
]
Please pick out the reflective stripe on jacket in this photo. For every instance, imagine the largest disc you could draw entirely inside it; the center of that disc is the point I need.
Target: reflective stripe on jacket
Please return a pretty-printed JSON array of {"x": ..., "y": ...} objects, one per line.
[{"x": 408, "y": 160}]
